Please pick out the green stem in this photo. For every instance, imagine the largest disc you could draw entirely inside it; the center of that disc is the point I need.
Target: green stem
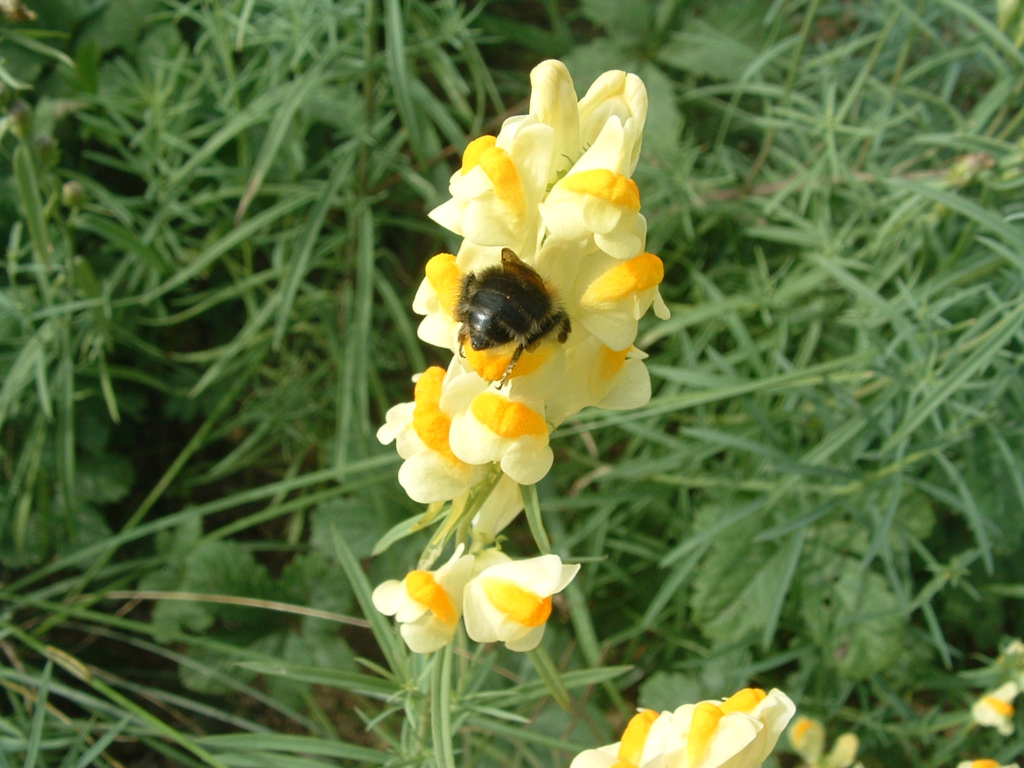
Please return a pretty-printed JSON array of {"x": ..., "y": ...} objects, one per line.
[
  {"x": 533, "y": 517},
  {"x": 441, "y": 707}
]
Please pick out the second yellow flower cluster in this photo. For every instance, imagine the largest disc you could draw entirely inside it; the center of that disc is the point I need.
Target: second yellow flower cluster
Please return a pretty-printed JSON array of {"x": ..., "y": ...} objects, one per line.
[{"x": 503, "y": 600}]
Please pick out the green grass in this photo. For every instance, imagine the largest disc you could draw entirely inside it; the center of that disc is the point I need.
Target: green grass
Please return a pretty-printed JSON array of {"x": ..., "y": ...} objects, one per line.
[{"x": 200, "y": 341}]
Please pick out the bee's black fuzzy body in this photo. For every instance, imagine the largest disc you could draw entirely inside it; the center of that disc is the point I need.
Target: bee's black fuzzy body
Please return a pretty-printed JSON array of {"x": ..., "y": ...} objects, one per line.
[{"x": 507, "y": 303}]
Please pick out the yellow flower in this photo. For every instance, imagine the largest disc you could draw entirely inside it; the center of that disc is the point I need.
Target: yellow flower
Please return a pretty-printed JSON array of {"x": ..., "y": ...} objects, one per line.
[
  {"x": 509, "y": 601},
  {"x": 995, "y": 709},
  {"x": 808, "y": 739},
  {"x": 502, "y": 179},
  {"x": 596, "y": 201},
  {"x": 620, "y": 95},
  {"x": 642, "y": 744},
  {"x": 427, "y": 604},
  {"x": 431, "y": 471},
  {"x": 612, "y": 295}
]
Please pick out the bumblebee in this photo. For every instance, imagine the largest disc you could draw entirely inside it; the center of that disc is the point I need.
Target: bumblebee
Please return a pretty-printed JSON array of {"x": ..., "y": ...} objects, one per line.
[{"x": 508, "y": 303}]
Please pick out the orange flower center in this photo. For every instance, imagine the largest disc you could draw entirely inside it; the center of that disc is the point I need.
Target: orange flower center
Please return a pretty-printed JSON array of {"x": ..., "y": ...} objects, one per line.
[
  {"x": 507, "y": 418},
  {"x": 428, "y": 420},
  {"x": 608, "y": 185},
  {"x": 1000, "y": 707},
  {"x": 520, "y": 605},
  {"x": 634, "y": 738},
  {"x": 424, "y": 589},
  {"x": 446, "y": 280},
  {"x": 491, "y": 364},
  {"x": 703, "y": 727},
  {"x": 628, "y": 277},
  {"x": 496, "y": 163},
  {"x": 743, "y": 701}
]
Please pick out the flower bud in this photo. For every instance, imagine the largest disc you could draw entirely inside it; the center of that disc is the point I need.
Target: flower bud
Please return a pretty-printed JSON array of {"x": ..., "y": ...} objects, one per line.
[
  {"x": 73, "y": 194},
  {"x": 20, "y": 118},
  {"x": 47, "y": 151},
  {"x": 15, "y": 10}
]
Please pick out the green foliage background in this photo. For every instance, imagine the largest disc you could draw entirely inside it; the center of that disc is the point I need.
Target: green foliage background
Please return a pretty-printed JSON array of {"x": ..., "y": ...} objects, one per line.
[{"x": 213, "y": 219}]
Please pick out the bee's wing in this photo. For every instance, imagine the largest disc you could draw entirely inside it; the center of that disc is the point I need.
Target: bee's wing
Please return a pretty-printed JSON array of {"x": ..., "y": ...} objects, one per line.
[{"x": 512, "y": 263}]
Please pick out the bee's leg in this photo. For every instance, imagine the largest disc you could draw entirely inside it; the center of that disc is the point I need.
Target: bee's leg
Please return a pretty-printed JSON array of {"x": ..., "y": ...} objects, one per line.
[
  {"x": 564, "y": 327},
  {"x": 511, "y": 365},
  {"x": 465, "y": 294}
]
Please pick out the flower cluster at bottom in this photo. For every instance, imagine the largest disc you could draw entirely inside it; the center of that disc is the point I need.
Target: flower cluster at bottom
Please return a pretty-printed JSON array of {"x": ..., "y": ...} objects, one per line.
[
  {"x": 739, "y": 732},
  {"x": 502, "y": 600}
]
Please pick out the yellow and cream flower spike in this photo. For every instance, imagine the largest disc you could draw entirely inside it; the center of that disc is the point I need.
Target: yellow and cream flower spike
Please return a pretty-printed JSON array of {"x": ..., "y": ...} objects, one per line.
[
  {"x": 555, "y": 186},
  {"x": 984, "y": 763}
]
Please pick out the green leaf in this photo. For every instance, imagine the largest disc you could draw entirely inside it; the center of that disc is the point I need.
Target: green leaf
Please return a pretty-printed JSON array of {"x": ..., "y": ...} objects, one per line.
[
  {"x": 393, "y": 650},
  {"x": 306, "y": 745},
  {"x": 354, "y": 682},
  {"x": 719, "y": 46},
  {"x": 441, "y": 708},
  {"x": 626, "y": 22},
  {"x": 533, "y": 516},
  {"x": 399, "y": 531},
  {"x": 218, "y": 568},
  {"x": 664, "y": 120},
  {"x": 549, "y": 674},
  {"x": 856, "y": 620},
  {"x": 735, "y": 595},
  {"x": 362, "y": 530},
  {"x": 104, "y": 479},
  {"x": 711, "y": 678}
]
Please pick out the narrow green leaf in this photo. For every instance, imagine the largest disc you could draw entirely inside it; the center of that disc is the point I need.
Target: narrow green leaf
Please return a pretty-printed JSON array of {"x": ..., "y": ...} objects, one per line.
[
  {"x": 781, "y": 588},
  {"x": 279, "y": 128},
  {"x": 533, "y": 516},
  {"x": 386, "y": 638},
  {"x": 93, "y": 753},
  {"x": 999, "y": 335},
  {"x": 115, "y": 234},
  {"x": 35, "y": 734},
  {"x": 354, "y": 682},
  {"x": 298, "y": 265},
  {"x": 978, "y": 522},
  {"x": 441, "y": 707},
  {"x": 401, "y": 78},
  {"x": 549, "y": 674},
  {"x": 282, "y": 742},
  {"x": 32, "y": 201},
  {"x": 406, "y": 527}
]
